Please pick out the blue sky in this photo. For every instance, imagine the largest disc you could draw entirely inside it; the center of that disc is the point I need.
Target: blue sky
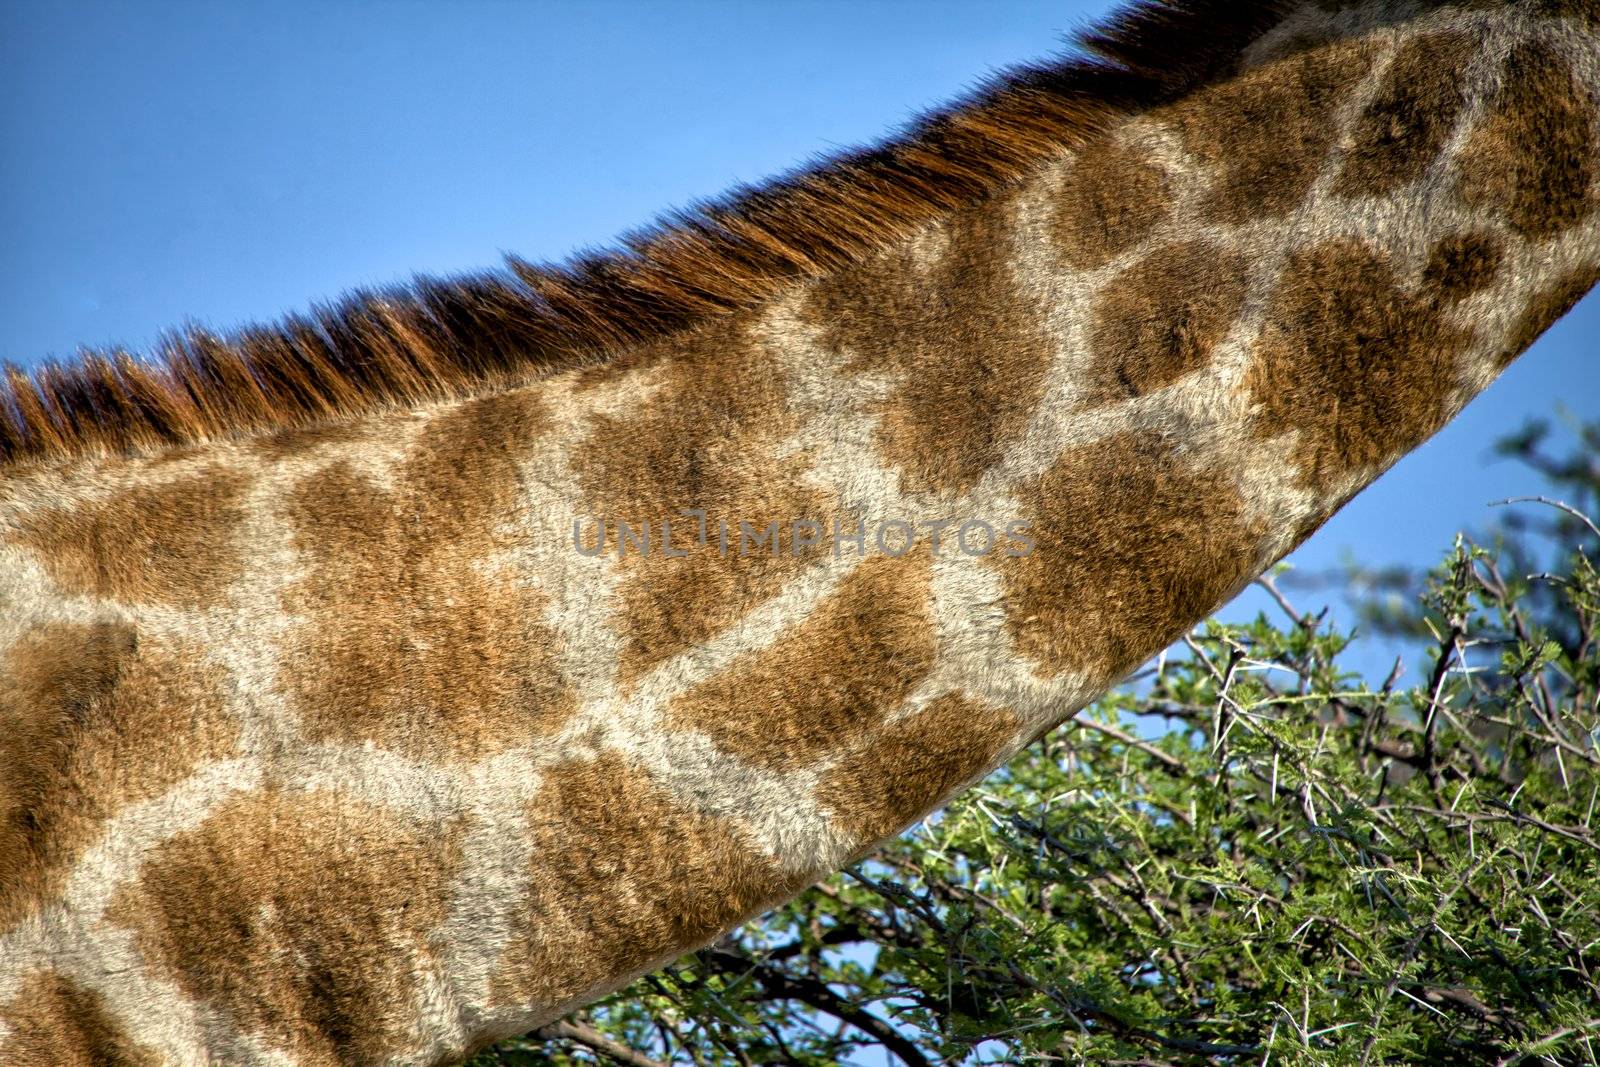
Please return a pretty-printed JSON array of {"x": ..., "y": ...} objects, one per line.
[{"x": 226, "y": 162}]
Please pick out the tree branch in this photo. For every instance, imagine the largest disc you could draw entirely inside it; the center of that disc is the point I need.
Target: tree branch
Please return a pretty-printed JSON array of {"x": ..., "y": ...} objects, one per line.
[
  {"x": 589, "y": 1037},
  {"x": 777, "y": 983}
]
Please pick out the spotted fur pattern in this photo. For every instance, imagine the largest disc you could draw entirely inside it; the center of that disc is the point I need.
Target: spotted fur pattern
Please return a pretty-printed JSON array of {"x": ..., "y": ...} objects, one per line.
[{"x": 328, "y": 745}]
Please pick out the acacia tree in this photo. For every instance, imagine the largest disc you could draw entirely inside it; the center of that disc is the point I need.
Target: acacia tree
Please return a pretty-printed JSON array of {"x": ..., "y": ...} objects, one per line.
[{"x": 1249, "y": 854}]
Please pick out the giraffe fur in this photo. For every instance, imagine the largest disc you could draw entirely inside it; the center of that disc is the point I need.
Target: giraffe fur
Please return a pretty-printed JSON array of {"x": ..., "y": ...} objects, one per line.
[{"x": 321, "y": 741}]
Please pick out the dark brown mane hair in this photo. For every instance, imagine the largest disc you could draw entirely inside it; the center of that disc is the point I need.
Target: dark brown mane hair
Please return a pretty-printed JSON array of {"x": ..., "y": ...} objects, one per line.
[{"x": 439, "y": 338}]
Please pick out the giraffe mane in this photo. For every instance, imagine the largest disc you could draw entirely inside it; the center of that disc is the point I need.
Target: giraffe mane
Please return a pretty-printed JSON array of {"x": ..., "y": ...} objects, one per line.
[{"x": 438, "y": 338}]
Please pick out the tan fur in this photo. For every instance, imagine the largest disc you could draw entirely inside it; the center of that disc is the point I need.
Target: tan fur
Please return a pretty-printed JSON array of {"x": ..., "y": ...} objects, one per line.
[
  {"x": 322, "y": 740},
  {"x": 1350, "y": 361},
  {"x": 885, "y": 780},
  {"x": 1463, "y": 264},
  {"x": 894, "y": 317},
  {"x": 67, "y": 1026},
  {"x": 1163, "y": 317},
  {"x": 166, "y": 543},
  {"x": 1406, "y": 124},
  {"x": 676, "y": 877},
  {"x": 855, "y": 659},
  {"x": 1179, "y": 541},
  {"x": 304, "y": 916},
  {"x": 1545, "y": 307},
  {"x": 1268, "y": 176},
  {"x": 1110, "y": 200},
  {"x": 722, "y": 388},
  {"x": 440, "y": 339},
  {"x": 403, "y": 574},
  {"x": 97, "y": 717},
  {"x": 1539, "y": 144}
]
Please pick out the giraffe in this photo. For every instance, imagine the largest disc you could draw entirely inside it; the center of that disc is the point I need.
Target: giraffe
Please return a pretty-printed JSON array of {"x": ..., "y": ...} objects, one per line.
[{"x": 394, "y": 679}]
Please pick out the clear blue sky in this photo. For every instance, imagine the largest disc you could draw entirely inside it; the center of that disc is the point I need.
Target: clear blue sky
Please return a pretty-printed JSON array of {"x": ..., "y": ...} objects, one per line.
[{"x": 226, "y": 162}]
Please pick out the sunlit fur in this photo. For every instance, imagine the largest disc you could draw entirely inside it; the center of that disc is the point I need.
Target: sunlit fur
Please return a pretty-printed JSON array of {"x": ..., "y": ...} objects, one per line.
[{"x": 322, "y": 741}]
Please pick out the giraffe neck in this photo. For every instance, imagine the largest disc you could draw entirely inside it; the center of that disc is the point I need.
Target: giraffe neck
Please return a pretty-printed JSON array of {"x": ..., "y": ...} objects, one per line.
[{"x": 380, "y": 741}]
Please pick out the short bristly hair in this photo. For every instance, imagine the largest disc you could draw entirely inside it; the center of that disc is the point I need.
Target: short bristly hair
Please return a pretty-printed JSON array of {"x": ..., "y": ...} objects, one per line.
[{"x": 441, "y": 338}]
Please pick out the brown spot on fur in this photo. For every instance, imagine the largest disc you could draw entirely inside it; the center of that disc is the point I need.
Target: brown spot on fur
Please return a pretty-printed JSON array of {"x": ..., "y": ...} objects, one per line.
[
  {"x": 300, "y": 440},
  {"x": 707, "y": 438},
  {"x": 1302, "y": 41},
  {"x": 1110, "y": 200},
  {"x": 174, "y": 542},
  {"x": 92, "y": 718},
  {"x": 1267, "y": 132},
  {"x": 963, "y": 342},
  {"x": 1536, "y": 8},
  {"x": 1533, "y": 160},
  {"x": 1586, "y": 12},
  {"x": 442, "y": 339},
  {"x": 1359, "y": 367},
  {"x": 54, "y": 1022},
  {"x": 1406, "y": 125},
  {"x": 1161, "y": 318},
  {"x": 1545, "y": 307},
  {"x": 671, "y": 878},
  {"x": 1132, "y": 545},
  {"x": 832, "y": 679},
  {"x": 903, "y": 769},
  {"x": 302, "y": 916},
  {"x": 417, "y": 636},
  {"x": 1463, "y": 264}
]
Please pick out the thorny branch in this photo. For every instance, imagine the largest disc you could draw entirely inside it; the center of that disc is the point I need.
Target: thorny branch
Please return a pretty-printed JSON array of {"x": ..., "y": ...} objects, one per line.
[{"x": 1291, "y": 865}]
